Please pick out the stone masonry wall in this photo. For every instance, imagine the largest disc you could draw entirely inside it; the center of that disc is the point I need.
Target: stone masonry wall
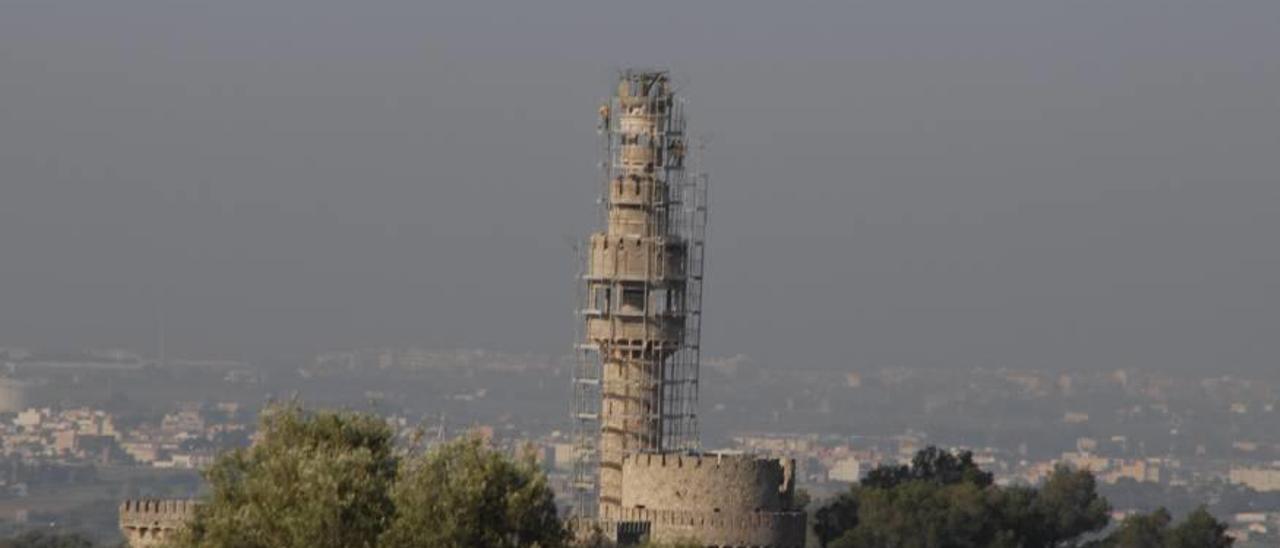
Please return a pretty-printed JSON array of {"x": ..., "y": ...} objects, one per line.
[
  {"x": 149, "y": 522},
  {"x": 707, "y": 483},
  {"x": 708, "y": 499}
]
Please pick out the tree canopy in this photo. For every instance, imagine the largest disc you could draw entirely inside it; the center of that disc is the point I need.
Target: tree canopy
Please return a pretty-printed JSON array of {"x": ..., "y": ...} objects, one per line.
[
  {"x": 944, "y": 500},
  {"x": 1156, "y": 530},
  {"x": 931, "y": 465},
  {"x": 336, "y": 479},
  {"x": 466, "y": 495}
]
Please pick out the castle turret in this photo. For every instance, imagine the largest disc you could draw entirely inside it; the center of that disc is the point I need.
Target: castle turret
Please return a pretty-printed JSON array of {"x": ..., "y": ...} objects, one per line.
[{"x": 150, "y": 522}]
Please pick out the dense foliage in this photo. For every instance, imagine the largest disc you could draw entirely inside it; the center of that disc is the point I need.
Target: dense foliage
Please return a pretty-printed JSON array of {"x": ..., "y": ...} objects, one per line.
[
  {"x": 336, "y": 479},
  {"x": 1156, "y": 530},
  {"x": 466, "y": 495},
  {"x": 944, "y": 500}
]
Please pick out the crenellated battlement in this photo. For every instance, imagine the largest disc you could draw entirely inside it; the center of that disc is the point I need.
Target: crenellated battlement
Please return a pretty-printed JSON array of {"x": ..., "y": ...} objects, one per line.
[
  {"x": 149, "y": 522},
  {"x": 685, "y": 482},
  {"x": 701, "y": 460},
  {"x": 743, "y": 520},
  {"x": 158, "y": 507}
]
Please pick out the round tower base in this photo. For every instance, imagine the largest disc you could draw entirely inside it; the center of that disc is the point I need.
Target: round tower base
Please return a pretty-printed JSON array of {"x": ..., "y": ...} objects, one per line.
[{"x": 706, "y": 499}]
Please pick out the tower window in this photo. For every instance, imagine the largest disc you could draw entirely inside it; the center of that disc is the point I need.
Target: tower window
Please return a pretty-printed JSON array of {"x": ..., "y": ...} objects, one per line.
[{"x": 633, "y": 299}]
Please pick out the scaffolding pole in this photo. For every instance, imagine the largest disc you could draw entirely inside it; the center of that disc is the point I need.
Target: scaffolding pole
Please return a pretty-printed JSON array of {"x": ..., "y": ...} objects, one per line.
[{"x": 640, "y": 289}]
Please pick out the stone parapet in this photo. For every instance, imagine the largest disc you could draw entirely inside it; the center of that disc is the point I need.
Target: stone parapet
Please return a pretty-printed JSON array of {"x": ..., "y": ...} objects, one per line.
[
  {"x": 633, "y": 258},
  {"x": 707, "y": 482},
  {"x": 636, "y": 190},
  {"x": 149, "y": 522}
]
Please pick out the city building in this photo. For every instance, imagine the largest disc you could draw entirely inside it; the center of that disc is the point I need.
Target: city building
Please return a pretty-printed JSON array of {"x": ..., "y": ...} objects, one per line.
[{"x": 1258, "y": 479}]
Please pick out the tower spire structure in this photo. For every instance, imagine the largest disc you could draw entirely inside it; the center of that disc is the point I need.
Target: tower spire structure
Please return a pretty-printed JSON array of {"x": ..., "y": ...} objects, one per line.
[{"x": 636, "y": 380}]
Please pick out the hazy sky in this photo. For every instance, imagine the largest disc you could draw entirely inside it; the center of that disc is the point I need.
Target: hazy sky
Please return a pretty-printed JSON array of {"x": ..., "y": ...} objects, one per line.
[{"x": 1004, "y": 183}]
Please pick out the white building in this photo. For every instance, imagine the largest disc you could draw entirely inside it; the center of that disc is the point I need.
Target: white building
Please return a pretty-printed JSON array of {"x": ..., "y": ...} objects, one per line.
[{"x": 847, "y": 470}]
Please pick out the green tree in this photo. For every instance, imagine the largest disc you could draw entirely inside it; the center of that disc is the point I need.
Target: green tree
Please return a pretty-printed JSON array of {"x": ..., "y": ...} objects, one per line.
[
  {"x": 944, "y": 500},
  {"x": 313, "y": 479},
  {"x": 919, "y": 514},
  {"x": 832, "y": 520},
  {"x": 1141, "y": 531},
  {"x": 1199, "y": 530},
  {"x": 1066, "y": 507},
  {"x": 466, "y": 494},
  {"x": 933, "y": 465},
  {"x": 336, "y": 479},
  {"x": 1156, "y": 530}
]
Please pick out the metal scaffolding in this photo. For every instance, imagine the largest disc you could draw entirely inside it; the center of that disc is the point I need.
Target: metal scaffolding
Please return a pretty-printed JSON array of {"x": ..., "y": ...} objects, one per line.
[{"x": 635, "y": 382}]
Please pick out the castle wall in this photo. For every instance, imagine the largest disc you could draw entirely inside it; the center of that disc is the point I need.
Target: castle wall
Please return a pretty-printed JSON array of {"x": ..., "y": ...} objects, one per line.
[
  {"x": 708, "y": 499},
  {"x": 149, "y": 522},
  {"x": 727, "y": 483}
]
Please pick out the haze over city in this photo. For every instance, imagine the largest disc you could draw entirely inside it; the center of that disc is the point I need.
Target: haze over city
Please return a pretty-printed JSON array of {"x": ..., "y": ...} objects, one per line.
[
  {"x": 936, "y": 274},
  {"x": 940, "y": 184}
]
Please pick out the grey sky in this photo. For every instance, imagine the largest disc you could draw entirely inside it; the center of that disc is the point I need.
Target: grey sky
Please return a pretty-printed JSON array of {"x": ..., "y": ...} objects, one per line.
[{"x": 1009, "y": 183}]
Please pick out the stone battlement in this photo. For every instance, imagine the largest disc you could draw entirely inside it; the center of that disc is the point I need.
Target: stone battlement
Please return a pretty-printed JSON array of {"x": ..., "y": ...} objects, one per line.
[
  {"x": 700, "y": 460},
  {"x": 158, "y": 508},
  {"x": 730, "y": 483},
  {"x": 744, "y": 520},
  {"x": 148, "y": 522}
]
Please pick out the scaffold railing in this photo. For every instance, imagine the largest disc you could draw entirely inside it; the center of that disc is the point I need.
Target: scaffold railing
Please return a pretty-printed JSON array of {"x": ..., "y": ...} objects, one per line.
[{"x": 655, "y": 379}]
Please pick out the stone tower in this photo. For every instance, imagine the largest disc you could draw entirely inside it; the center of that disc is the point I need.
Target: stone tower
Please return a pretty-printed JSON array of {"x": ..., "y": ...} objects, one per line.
[
  {"x": 152, "y": 522},
  {"x": 640, "y": 473},
  {"x": 637, "y": 281}
]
